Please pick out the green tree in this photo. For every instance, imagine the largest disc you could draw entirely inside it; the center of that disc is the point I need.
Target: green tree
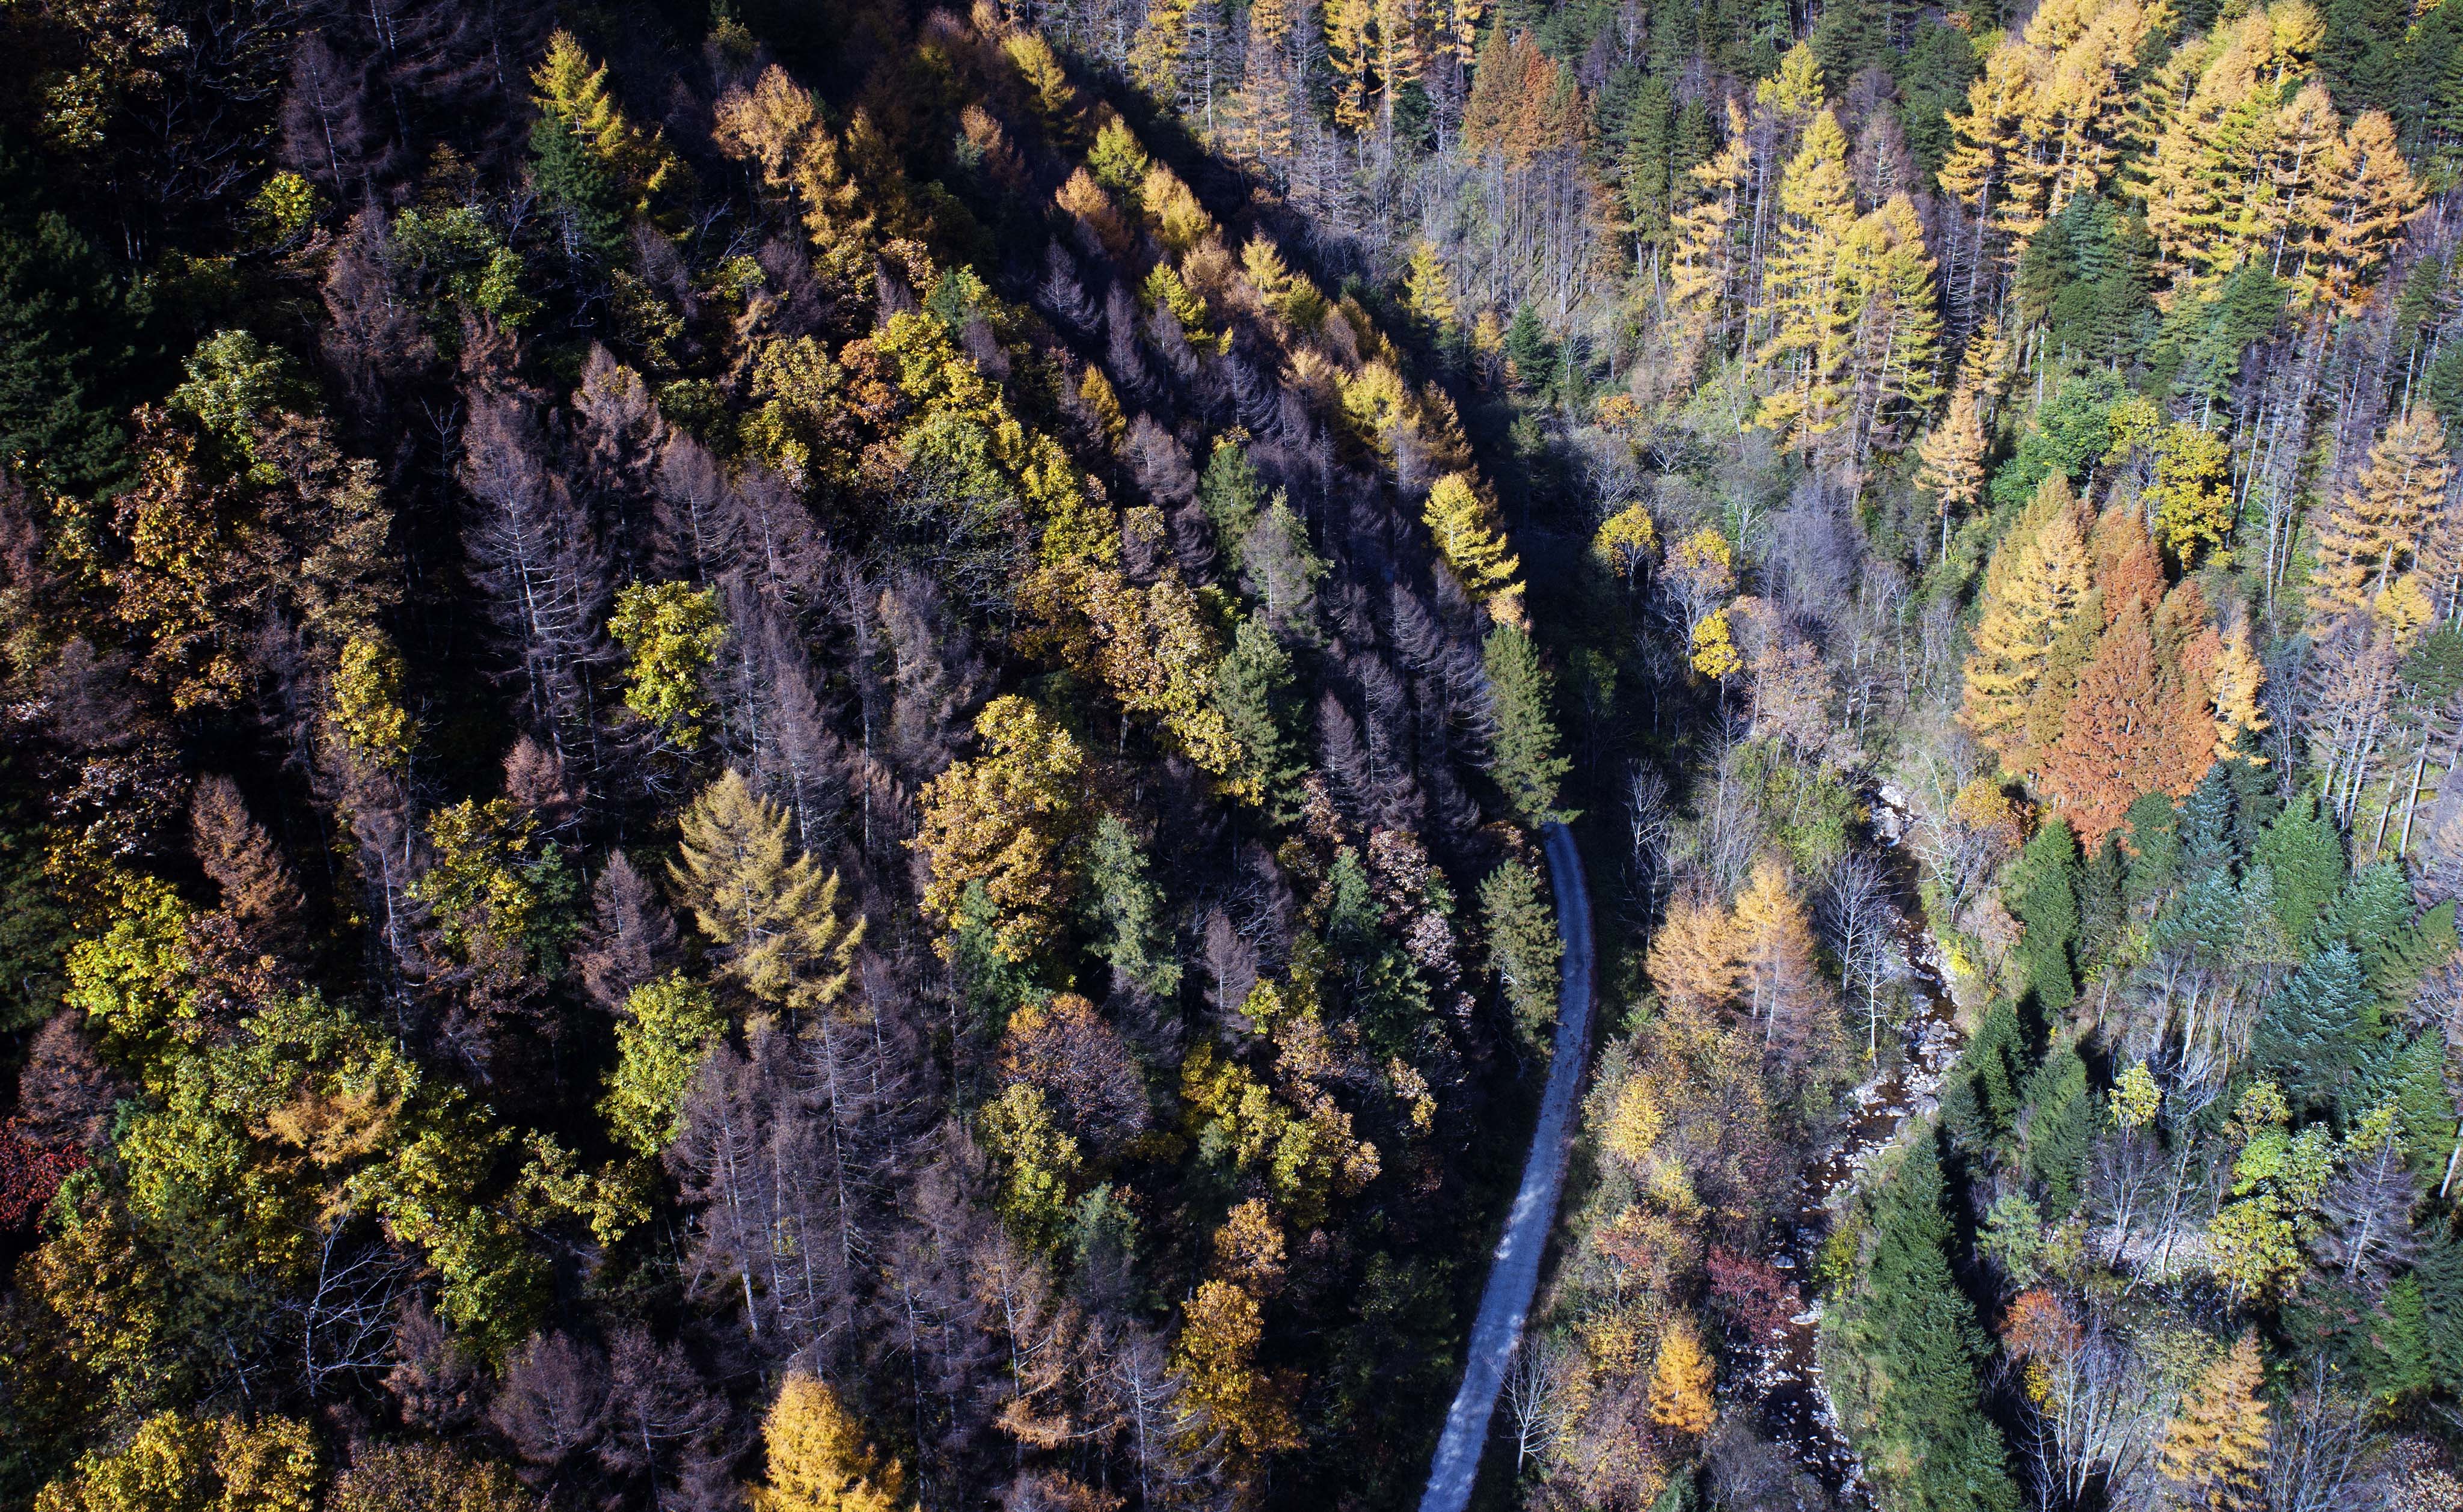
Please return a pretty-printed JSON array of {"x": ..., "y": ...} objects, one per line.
[
  {"x": 2306, "y": 855},
  {"x": 666, "y": 1031},
  {"x": 2042, "y": 891},
  {"x": 1133, "y": 934},
  {"x": 1257, "y": 691},
  {"x": 1928, "y": 1442},
  {"x": 1523, "y": 754},
  {"x": 673, "y": 632},
  {"x": 1523, "y": 948}
]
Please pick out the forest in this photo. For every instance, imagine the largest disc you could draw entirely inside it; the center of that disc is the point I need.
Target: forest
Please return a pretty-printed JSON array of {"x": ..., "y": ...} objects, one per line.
[{"x": 814, "y": 756}]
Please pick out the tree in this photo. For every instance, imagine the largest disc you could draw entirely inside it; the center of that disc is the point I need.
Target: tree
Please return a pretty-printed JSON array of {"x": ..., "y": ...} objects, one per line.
[
  {"x": 774, "y": 919},
  {"x": 257, "y": 889},
  {"x": 666, "y": 1032},
  {"x": 1697, "y": 958},
  {"x": 1811, "y": 324},
  {"x": 1257, "y": 691},
  {"x": 1624, "y": 542},
  {"x": 1220, "y": 1331},
  {"x": 2371, "y": 535},
  {"x": 2304, "y": 856},
  {"x": 1782, "y": 985},
  {"x": 2112, "y": 749},
  {"x": 2032, "y": 593},
  {"x": 1134, "y": 936},
  {"x": 2192, "y": 492},
  {"x": 1953, "y": 458},
  {"x": 573, "y": 93},
  {"x": 1522, "y": 754},
  {"x": 1465, "y": 528},
  {"x": 175, "y": 1463},
  {"x": 1523, "y": 946},
  {"x": 1005, "y": 821},
  {"x": 1930, "y": 1443},
  {"x": 673, "y": 633},
  {"x": 1681, "y": 1381},
  {"x": 2215, "y": 1452},
  {"x": 2042, "y": 891},
  {"x": 424, "y": 1478},
  {"x": 817, "y": 1458}
]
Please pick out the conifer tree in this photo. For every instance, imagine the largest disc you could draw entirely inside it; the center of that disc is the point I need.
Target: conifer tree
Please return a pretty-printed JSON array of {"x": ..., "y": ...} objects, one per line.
[
  {"x": 572, "y": 92},
  {"x": 1256, "y": 689},
  {"x": 2111, "y": 748},
  {"x": 1467, "y": 537},
  {"x": 1681, "y": 1381},
  {"x": 2215, "y": 1452},
  {"x": 817, "y": 1458},
  {"x": 1704, "y": 272},
  {"x": 1523, "y": 946},
  {"x": 2305, "y": 856},
  {"x": 773, "y": 916},
  {"x": 1894, "y": 348},
  {"x": 2042, "y": 891},
  {"x": 2032, "y": 594},
  {"x": 1811, "y": 323},
  {"x": 1697, "y": 959},
  {"x": 1953, "y": 458},
  {"x": 1785, "y": 987},
  {"x": 2371, "y": 533},
  {"x": 1522, "y": 754},
  {"x": 1933, "y": 1447},
  {"x": 1133, "y": 935}
]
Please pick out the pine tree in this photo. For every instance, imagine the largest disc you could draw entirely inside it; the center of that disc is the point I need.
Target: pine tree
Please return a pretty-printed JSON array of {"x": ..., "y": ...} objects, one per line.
[
  {"x": 2370, "y": 535},
  {"x": 2042, "y": 891},
  {"x": 1522, "y": 754},
  {"x": 1681, "y": 1382},
  {"x": 819, "y": 1461},
  {"x": 2215, "y": 1452},
  {"x": 1131, "y": 931},
  {"x": 2318, "y": 1026},
  {"x": 773, "y": 919},
  {"x": 1523, "y": 946},
  {"x": 2032, "y": 594},
  {"x": 1931, "y": 1446}
]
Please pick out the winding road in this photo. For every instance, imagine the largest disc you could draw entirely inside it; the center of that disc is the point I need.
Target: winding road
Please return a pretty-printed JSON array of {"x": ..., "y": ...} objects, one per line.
[{"x": 1514, "y": 1277}]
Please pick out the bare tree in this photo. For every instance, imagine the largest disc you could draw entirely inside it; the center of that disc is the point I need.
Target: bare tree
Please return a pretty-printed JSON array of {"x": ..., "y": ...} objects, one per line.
[
  {"x": 1536, "y": 1393},
  {"x": 1861, "y": 925}
]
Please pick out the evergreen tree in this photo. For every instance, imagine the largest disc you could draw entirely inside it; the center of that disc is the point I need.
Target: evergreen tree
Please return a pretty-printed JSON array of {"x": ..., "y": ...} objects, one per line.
[
  {"x": 2154, "y": 849},
  {"x": 2042, "y": 891},
  {"x": 1932, "y": 1448},
  {"x": 1256, "y": 687},
  {"x": 2305, "y": 856},
  {"x": 1523, "y": 946},
  {"x": 2318, "y": 1029},
  {"x": 1522, "y": 754},
  {"x": 1131, "y": 931}
]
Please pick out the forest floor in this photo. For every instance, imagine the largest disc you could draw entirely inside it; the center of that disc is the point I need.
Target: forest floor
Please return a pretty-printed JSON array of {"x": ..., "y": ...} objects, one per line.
[{"x": 1514, "y": 1277}]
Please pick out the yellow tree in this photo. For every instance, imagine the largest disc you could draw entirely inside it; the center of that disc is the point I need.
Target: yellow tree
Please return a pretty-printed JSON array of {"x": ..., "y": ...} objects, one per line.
[
  {"x": 1697, "y": 958},
  {"x": 2192, "y": 492},
  {"x": 1217, "y": 1351},
  {"x": 1267, "y": 102},
  {"x": 1704, "y": 270},
  {"x": 1811, "y": 324},
  {"x": 1003, "y": 822},
  {"x": 1952, "y": 454},
  {"x": 1681, "y": 1381},
  {"x": 574, "y": 91},
  {"x": 2372, "y": 532},
  {"x": 1785, "y": 987},
  {"x": 2215, "y": 1452},
  {"x": 817, "y": 1458},
  {"x": 2373, "y": 194},
  {"x": 2032, "y": 592},
  {"x": 2235, "y": 683},
  {"x": 777, "y": 125},
  {"x": 1463, "y": 525},
  {"x": 1624, "y": 542},
  {"x": 1894, "y": 351},
  {"x": 773, "y": 915}
]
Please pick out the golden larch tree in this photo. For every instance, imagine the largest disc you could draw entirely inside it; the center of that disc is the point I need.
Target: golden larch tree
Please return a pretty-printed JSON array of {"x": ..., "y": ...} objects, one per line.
[
  {"x": 2370, "y": 535},
  {"x": 1681, "y": 1381},
  {"x": 2032, "y": 593},
  {"x": 2215, "y": 1452},
  {"x": 819, "y": 1461}
]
